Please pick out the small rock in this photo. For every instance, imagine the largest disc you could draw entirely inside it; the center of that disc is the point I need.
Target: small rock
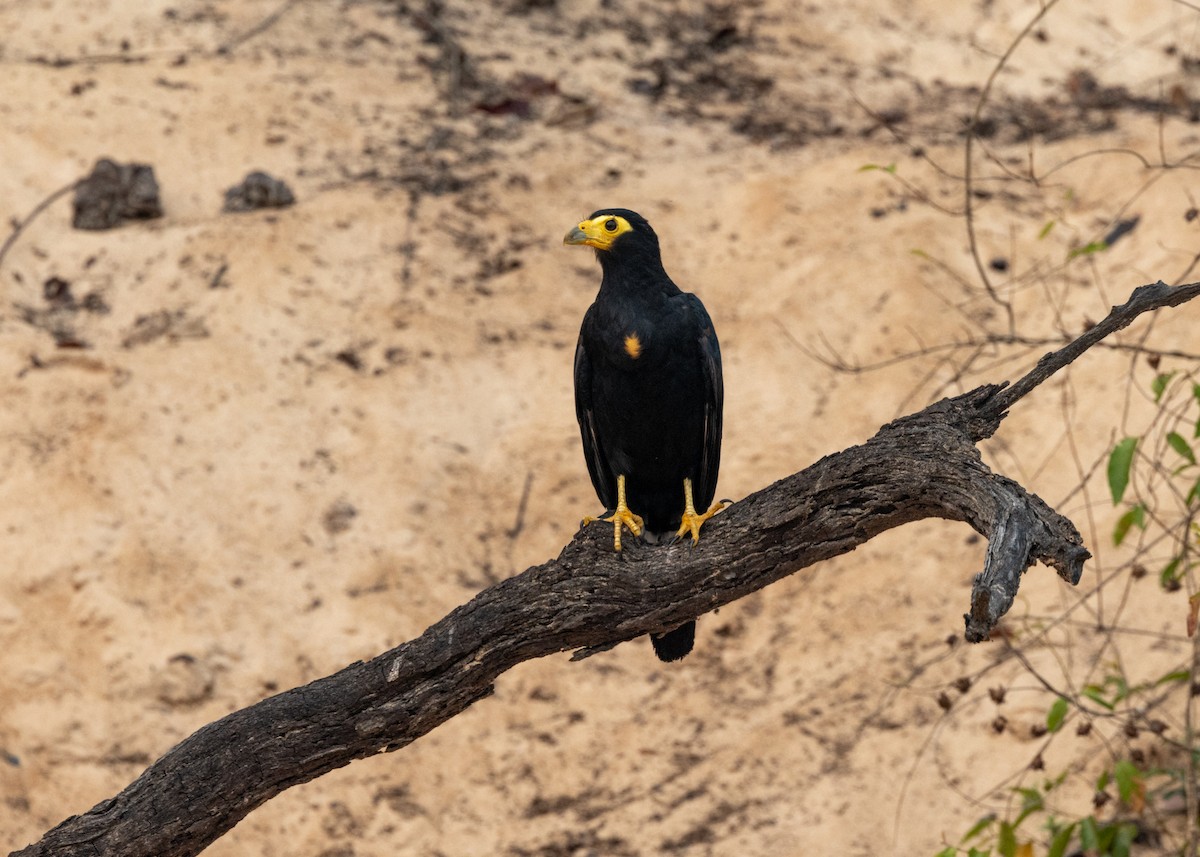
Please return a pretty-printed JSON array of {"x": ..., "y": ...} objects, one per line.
[
  {"x": 113, "y": 193},
  {"x": 258, "y": 190}
]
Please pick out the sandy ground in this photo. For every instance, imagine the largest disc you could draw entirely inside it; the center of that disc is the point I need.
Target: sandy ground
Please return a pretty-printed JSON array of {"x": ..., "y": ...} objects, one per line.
[{"x": 293, "y": 439}]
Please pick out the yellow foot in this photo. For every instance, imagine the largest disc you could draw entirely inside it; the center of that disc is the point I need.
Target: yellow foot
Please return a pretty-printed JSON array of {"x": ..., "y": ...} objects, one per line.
[
  {"x": 692, "y": 522},
  {"x": 622, "y": 517}
]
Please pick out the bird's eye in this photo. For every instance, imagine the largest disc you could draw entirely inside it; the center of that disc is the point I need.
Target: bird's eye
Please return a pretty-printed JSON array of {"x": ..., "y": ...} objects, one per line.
[{"x": 610, "y": 225}]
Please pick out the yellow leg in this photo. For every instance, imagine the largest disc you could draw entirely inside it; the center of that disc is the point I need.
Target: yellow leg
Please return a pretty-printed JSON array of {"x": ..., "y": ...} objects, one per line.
[
  {"x": 691, "y": 521},
  {"x": 622, "y": 517}
]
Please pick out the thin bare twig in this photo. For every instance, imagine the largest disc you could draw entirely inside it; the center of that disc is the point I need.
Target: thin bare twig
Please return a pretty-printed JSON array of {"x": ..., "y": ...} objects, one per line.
[
  {"x": 261, "y": 27},
  {"x": 1143, "y": 299},
  {"x": 21, "y": 225},
  {"x": 968, "y": 187}
]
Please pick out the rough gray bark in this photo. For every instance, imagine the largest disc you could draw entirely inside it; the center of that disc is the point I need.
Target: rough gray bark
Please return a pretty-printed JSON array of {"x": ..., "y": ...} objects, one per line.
[{"x": 588, "y": 598}]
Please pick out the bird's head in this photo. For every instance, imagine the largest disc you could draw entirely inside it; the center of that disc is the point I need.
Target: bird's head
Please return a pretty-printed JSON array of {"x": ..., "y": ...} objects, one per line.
[{"x": 615, "y": 232}]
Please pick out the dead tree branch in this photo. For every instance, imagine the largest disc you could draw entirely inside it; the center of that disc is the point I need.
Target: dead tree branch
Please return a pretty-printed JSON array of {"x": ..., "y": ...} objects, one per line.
[{"x": 922, "y": 466}]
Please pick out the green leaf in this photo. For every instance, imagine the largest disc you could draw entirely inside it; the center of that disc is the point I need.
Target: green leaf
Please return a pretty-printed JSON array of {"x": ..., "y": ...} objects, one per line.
[
  {"x": 890, "y": 168},
  {"x": 1058, "y": 845},
  {"x": 1127, "y": 777},
  {"x": 979, "y": 826},
  {"x": 949, "y": 851},
  {"x": 1181, "y": 446},
  {"x": 1054, "y": 719},
  {"x": 1176, "y": 676},
  {"x": 1194, "y": 494},
  {"x": 1160, "y": 384},
  {"x": 1046, "y": 229},
  {"x": 1119, "y": 463},
  {"x": 1105, "y": 834},
  {"x": 1088, "y": 249},
  {"x": 1196, "y": 396},
  {"x": 1170, "y": 572},
  {"x": 1096, "y": 694},
  {"x": 1121, "y": 685},
  {"x": 1089, "y": 836},
  {"x": 979, "y": 852},
  {"x": 1124, "y": 838},
  {"x": 1031, "y": 802},
  {"x": 1006, "y": 843},
  {"x": 1135, "y": 515}
]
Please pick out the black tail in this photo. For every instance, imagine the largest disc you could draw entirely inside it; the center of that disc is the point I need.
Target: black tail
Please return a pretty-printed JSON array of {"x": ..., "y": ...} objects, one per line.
[{"x": 673, "y": 645}]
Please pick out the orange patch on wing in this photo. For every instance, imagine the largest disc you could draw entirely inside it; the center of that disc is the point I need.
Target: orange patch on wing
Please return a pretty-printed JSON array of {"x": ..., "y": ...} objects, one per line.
[{"x": 633, "y": 346}]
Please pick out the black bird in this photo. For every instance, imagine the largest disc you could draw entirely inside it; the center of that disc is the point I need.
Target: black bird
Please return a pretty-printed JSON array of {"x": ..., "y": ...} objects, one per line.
[{"x": 648, "y": 394}]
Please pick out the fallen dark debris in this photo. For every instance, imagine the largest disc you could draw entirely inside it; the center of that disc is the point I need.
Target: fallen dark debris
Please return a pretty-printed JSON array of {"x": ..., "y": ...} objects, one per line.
[
  {"x": 524, "y": 7},
  {"x": 1090, "y": 107},
  {"x": 59, "y": 316},
  {"x": 518, "y": 96},
  {"x": 173, "y": 84},
  {"x": 1120, "y": 229},
  {"x": 114, "y": 193},
  {"x": 574, "y": 842},
  {"x": 350, "y": 357},
  {"x": 217, "y": 280},
  {"x": 456, "y": 72},
  {"x": 171, "y": 324},
  {"x": 338, "y": 517},
  {"x": 258, "y": 190},
  {"x": 57, "y": 292}
]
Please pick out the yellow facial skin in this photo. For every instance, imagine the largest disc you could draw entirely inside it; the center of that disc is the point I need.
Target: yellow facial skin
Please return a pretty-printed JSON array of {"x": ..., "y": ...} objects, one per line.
[{"x": 599, "y": 232}]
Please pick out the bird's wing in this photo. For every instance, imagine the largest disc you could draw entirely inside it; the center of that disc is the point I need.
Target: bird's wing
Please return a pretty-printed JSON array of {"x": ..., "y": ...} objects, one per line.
[
  {"x": 714, "y": 397},
  {"x": 603, "y": 479}
]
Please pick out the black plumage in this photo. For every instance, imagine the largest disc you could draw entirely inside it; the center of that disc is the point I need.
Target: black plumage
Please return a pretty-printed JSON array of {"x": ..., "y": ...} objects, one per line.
[{"x": 648, "y": 391}]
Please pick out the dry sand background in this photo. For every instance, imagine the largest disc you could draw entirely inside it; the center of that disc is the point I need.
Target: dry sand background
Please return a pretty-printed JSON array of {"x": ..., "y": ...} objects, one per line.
[{"x": 234, "y": 490}]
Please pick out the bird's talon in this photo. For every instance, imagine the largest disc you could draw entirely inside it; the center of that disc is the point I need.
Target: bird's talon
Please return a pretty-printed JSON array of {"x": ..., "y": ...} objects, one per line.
[
  {"x": 622, "y": 517},
  {"x": 692, "y": 522},
  {"x": 619, "y": 519}
]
